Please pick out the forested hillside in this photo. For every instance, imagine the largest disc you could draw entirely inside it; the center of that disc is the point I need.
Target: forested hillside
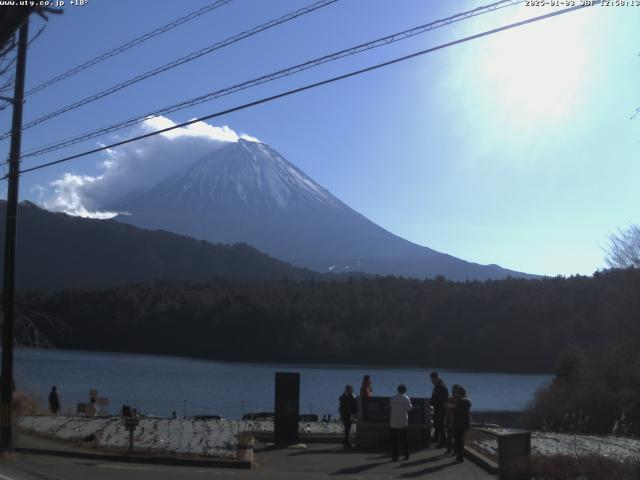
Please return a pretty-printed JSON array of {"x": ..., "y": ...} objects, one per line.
[
  {"x": 512, "y": 324},
  {"x": 59, "y": 251}
]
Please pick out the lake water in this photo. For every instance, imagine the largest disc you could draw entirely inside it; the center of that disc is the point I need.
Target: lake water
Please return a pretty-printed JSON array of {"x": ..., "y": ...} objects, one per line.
[{"x": 160, "y": 385}]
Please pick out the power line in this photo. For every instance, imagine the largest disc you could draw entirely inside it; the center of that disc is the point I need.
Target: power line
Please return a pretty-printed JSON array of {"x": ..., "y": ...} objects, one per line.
[
  {"x": 180, "y": 61},
  {"x": 128, "y": 45},
  {"x": 314, "y": 85},
  {"x": 274, "y": 76}
]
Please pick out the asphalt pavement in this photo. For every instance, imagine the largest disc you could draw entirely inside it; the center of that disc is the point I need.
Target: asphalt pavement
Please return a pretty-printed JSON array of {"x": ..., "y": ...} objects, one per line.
[{"x": 314, "y": 462}]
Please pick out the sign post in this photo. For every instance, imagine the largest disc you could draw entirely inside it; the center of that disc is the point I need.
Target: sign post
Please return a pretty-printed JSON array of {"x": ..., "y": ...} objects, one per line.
[
  {"x": 130, "y": 424},
  {"x": 287, "y": 408}
]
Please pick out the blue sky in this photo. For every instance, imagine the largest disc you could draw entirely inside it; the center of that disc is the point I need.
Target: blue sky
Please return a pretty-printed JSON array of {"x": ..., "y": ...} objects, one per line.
[{"x": 516, "y": 149}]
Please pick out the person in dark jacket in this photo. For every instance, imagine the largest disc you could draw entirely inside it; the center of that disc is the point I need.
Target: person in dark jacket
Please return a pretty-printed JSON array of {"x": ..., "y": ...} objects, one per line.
[
  {"x": 348, "y": 409},
  {"x": 439, "y": 396},
  {"x": 54, "y": 400},
  {"x": 461, "y": 420}
]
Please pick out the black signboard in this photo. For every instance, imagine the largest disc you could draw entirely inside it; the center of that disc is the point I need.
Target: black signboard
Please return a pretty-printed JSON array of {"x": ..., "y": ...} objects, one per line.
[
  {"x": 130, "y": 423},
  {"x": 287, "y": 408},
  {"x": 377, "y": 410}
]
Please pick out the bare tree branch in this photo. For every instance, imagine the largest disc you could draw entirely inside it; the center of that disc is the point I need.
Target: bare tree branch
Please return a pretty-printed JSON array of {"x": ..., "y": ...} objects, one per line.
[
  {"x": 10, "y": 45},
  {"x": 38, "y": 33},
  {"x": 30, "y": 326},
  {"x": 624, "y": 248}
]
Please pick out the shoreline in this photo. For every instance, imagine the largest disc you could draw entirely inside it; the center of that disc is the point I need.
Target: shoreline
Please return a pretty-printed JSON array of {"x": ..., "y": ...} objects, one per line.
[{"x": 289, "y": 365}]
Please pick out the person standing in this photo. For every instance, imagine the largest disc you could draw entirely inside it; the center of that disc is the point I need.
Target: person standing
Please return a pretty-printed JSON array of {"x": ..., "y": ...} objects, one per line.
[
  {"x": 461, "y": 421},
  {"x": 439, "y": 396},
  {"x": 399, "y": 422},
  {"x": 348, "y": 408},
  {"x": 365, "y": 388},
  {"x": 92, "y": 408},
  {"x": 449, "y": 405},
  {"x": 54, "y": 400}
]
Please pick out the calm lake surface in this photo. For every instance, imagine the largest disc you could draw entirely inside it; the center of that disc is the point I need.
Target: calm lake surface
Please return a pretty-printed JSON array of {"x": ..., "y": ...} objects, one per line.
[{"x": 159, "y": 385}]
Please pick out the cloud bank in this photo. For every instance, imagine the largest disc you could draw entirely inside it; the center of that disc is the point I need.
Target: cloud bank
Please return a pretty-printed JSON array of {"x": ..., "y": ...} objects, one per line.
[{"x": 133, "y": 166}]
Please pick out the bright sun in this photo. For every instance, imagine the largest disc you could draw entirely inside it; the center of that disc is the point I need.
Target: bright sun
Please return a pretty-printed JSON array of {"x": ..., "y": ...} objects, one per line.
[{"x": 537, "y": 71}]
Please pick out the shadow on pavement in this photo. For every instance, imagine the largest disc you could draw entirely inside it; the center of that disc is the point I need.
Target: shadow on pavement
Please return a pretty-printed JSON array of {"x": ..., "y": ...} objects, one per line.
[
  {"x": 357, "y": 469},
  {"x": 427, "y": 471},
  {"x": 319, "y": 451},
  {"x": 384, "y": 455},
  {"x": 422, "y": 461}
]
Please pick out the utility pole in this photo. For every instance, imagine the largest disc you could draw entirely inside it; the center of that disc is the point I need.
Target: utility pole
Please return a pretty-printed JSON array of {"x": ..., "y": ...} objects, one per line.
[{"x": 8, "y": 290}]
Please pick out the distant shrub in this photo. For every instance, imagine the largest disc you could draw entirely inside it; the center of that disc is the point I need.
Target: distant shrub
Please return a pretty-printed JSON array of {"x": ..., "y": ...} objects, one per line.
[
  {"x": 25, "y": 404},
  {"x": 587, "y": 396}
]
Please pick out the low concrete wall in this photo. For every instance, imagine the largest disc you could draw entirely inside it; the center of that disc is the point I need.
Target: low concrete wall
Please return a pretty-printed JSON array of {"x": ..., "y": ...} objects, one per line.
[
  {"x": 373, "y": 429},
  {"x": 376, "y": 435}
]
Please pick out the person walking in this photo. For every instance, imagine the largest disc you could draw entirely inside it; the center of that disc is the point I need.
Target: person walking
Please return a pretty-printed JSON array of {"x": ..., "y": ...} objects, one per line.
[
  {"x": 399, "y": 422},
  {"x": 461, "y": 421},
  {"x": 54, "y": 400},
  {"x": 348, "y": 408},
  {"x": 365, "y": 388},
  {"x": 439, "y": 396}
]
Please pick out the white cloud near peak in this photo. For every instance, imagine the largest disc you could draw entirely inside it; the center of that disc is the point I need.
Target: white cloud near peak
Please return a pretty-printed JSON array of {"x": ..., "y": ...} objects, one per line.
[{"x": 134, "y": 166}]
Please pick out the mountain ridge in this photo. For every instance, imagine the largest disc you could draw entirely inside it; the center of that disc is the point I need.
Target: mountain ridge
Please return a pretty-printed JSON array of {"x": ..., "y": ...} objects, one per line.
[{"x": 56, "y": 250}]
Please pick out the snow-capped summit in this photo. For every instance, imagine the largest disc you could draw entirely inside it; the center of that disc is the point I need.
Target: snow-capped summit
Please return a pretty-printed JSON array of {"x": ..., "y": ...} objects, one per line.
[
  {"x": 247, "y": 192},
  {"x": 251, "y": 174}
]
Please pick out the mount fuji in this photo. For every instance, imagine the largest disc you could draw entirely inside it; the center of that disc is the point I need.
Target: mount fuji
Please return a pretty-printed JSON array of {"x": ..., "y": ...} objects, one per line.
[{"x": 247, "y": 192}]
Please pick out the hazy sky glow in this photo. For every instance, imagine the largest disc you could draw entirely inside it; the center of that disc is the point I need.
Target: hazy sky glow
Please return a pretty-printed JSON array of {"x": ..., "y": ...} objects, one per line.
[{"x": 516, "y": 149}]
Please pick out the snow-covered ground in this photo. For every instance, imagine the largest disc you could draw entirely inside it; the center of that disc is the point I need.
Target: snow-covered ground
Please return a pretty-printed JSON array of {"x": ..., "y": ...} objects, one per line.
[
  {"x": 217, "y": 438},
  {"x": 547, "y": 443},
  {"x": 310, "y": 428},
  {"x": 160, "y": 435}
]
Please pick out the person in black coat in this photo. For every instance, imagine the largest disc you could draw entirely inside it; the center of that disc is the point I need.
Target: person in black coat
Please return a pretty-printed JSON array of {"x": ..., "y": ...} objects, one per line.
[
  {"x": 461, "y": 420},
  {"x": 348, "y": 408},
  {"x": 54, "y": 400},
  {"x": 439, "y": 396}
]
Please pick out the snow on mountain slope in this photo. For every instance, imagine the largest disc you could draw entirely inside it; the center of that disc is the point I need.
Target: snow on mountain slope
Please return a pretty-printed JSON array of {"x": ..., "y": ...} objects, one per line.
[
  {"x": 250, "y": 174},
  {"x": 247, "y": 192}
]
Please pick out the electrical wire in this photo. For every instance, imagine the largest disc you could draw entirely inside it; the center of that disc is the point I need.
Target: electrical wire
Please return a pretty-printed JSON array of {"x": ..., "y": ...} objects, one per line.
[
  {"x": 389, "y": 39},
  {"x": 180, "y": 61},
  {"x": 123, "y": 48},
  {"x": 316, "y": 84}
]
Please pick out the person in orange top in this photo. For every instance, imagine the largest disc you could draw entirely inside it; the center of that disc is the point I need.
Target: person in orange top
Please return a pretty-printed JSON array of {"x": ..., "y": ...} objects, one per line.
[{"x": 365, "y": 389}]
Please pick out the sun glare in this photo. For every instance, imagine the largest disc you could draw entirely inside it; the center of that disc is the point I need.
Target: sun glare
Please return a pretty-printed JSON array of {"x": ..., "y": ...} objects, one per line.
[{"x": 538, "y": 71}]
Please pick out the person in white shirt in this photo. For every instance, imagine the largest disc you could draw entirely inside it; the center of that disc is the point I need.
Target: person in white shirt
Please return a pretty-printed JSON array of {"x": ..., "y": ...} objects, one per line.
[
  {"x": 92, "y": 409},
  {"x": 399, "y": 421}
]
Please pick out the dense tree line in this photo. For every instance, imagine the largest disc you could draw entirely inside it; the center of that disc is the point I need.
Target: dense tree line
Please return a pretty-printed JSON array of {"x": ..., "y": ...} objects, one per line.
[{"x": 508, "y": 325}]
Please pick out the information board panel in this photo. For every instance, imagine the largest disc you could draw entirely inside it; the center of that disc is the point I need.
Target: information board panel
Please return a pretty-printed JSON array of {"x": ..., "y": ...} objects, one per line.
[{"x": 377, "y": 410}]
